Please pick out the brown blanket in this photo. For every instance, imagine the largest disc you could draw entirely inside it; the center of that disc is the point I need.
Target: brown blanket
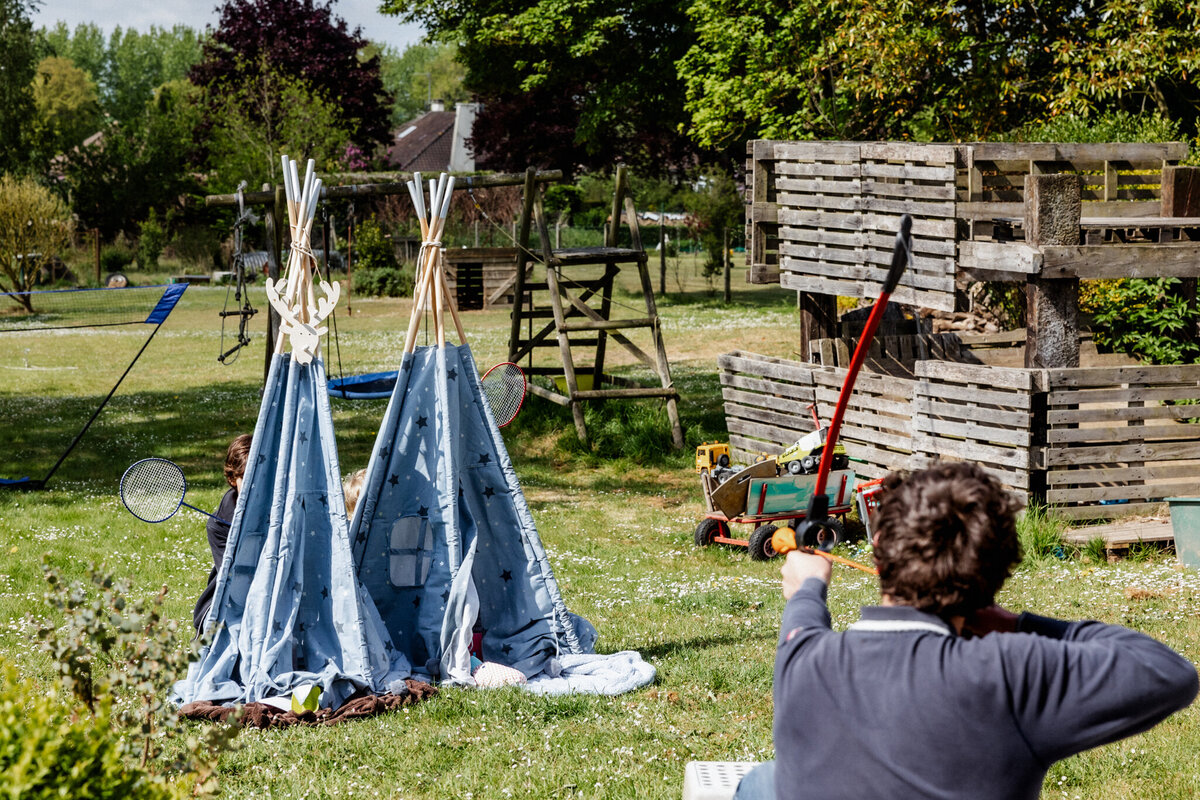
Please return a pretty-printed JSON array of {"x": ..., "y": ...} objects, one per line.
[{"x": 261, "y": 715}]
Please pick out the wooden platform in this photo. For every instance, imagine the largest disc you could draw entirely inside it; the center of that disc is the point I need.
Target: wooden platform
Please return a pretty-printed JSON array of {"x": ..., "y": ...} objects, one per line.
[{"x": 1119, "y": 535}]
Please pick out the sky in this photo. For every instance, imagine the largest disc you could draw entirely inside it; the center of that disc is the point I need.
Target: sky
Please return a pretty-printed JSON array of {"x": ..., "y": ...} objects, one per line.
[{"x": 141, "y": 14}]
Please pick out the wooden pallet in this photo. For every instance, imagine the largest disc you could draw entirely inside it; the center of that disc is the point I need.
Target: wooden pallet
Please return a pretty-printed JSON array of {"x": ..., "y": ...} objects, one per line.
[{"x": 1121, "y": 534}]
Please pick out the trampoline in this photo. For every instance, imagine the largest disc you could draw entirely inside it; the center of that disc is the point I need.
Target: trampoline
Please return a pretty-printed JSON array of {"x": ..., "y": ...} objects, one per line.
[{"x": 371, "y": 386}]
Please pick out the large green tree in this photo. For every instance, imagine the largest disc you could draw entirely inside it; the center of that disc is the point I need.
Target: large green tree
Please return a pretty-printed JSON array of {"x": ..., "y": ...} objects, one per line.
[
  {"x": 67, "y": 103},
  {"x": 857, "y": 69},
  {"x": 302, "y": 39},
  {"x": 567, "y": 84},
  {"x": 145, "y": 163},
  {"x": 129, "y": 66},
  {"x": 247, "y": 146},
  {"x": 19, "y": 54}
]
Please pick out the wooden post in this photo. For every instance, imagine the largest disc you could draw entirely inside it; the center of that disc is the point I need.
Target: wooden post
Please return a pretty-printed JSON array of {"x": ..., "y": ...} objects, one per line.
[
  {"x": 522, "y": 241},
  {"x": 1181, "y": 198},
  {"x": 350, "y": 262},
  {"x": 1052, "y": 210},
  {"x": 96, "y": 253},
  {"x": 818, "y": 318},
  {"x": 662, "y": 255},
  {"x": 274, "y": 230},
  {"x": 725, "y": 263}
]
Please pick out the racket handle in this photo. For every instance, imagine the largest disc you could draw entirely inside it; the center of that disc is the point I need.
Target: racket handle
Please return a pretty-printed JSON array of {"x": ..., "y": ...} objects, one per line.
[{"x": 205, "y": 513}]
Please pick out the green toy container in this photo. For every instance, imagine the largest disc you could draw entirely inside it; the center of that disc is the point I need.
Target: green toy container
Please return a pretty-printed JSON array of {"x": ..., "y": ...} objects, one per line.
[{"x": 1185, "y": 526}]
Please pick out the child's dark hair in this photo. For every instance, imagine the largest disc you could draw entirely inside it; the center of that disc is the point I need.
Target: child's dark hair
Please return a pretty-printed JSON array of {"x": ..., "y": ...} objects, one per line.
[
  {"x": 235, "y": 458},
  {"x": 947, "y": 539}
]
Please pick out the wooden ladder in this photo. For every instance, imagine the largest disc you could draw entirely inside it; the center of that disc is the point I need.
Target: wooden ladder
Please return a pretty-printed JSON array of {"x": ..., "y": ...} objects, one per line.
[{"x": 559, "y": 304}]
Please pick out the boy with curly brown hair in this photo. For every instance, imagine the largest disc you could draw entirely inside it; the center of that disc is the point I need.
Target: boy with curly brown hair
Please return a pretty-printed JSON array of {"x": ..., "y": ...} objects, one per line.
[{"x": 938, "y": 691}]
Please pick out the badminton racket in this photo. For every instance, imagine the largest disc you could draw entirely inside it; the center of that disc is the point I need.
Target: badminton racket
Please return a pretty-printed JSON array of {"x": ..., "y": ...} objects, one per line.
[
  {"x": 504, "y": 388},
  {"x": 153, "y": 490}
]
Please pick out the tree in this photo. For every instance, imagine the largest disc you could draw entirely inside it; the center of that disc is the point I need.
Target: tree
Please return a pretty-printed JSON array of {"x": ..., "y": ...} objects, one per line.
[
  {"x": 130, "y": 65},
  {"x": 141, "y": 164},
  {"x": 68, "y": 107},
  {"x": 857, "y": 69},
  {"x": 34, "y": 226},
  {"x": 304, "y": 40},
  {"x": 246, "y": 146},
  {"x": 603, "y": 75},
  {"x": 19, "y": 54},
  {"x": 421, "y": 73}
]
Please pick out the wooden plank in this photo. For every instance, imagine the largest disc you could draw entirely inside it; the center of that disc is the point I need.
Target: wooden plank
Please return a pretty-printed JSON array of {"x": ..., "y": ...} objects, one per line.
[
  {"x": 1015, "y": 257},
  {"x": 801, "y": 253},
  {"x": 767, "y": 389},
  {"x": 814, "y": 236},
  {"x": 874, "y": 169},
  {"x": 1137, "y": 413},
  {"x": 820, "y": 219},
  {"x": 844, "y": 265},
  {"x": 780, "y": 404},
  {"x": 816, "y": 151},
  {"x": 1121, "y": 534},
  {"x": 1109, "y": 453},
  {"x": 1122, "y": 434},
  {"x": 903, "y": 295},
  {"x": 1132, "y": 152},
  {"x": 906, "y": 190},
  {"x": 1147, "y": 394},
  {"x": 1017, "y": 401},
  {"x": 778, "y": 419},
  {"x": 766, "y": 366},
  {"x": 818, "y": 186},
  {"x": 1156, "y": 491},
  {"x": 888, "y": 224},
  {"x": 839, "y": 203},
  {"x": 763, "y": 213},
  {"x": 762, "y": 274},
  {"x": 972, "y": 451},
  {"x": 822, "y": 169},
  {"x": 909, "y": 151},
  {"x": 920, "y": 244},
  {"x": 928, "y": 406},
  {"x": 984, "y": 434},
  {"x": 915, "y": 207},
  {"x": 991, "y": 377},
  {"x": 1105, "y": 474},
  {"x": 1106, "y": 512},
  {"x": 1078, "y": 377},
  {"x": 770, "y": 433},
  {"x": 1100, "y": 261}
]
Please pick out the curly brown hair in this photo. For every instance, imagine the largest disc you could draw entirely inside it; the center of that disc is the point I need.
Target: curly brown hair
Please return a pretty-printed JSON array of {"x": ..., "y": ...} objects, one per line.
[
  {"x": 947, "y": 539},
  {"x": 235, "y": 458}
]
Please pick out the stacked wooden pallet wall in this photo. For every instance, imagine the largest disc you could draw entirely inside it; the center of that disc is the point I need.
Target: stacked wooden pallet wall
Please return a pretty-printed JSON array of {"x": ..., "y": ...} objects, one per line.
[
  {"x": 1121, "y": 439},
  {"x": 767, "y": 408},
  {"x": 966, "y": 412}
]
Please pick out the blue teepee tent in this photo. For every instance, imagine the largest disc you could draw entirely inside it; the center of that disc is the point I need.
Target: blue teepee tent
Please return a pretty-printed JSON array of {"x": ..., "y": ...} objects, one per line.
[
  {"x": 443, "y": 538},
  {"x": 288, "y": 609}
]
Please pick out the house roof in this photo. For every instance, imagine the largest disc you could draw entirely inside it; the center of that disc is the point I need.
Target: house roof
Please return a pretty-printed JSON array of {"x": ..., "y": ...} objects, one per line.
[{"x": 424, "y": 143}]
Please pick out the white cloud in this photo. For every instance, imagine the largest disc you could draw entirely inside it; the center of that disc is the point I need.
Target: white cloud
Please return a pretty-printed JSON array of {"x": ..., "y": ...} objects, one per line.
[{"x": 141, "y": 14}]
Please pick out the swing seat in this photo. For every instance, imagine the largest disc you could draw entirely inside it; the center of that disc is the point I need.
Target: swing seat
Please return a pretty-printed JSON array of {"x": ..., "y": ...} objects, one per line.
[{"x": 371, "y": 386}]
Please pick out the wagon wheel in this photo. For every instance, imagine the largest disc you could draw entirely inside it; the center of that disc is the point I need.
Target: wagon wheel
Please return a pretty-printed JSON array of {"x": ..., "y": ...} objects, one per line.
[
  {"x": 795, "y": 467},
  {"x": 760, "y": 543},
  {"x": 831, "y": 533},
  {"x": 708, "y": 529}
]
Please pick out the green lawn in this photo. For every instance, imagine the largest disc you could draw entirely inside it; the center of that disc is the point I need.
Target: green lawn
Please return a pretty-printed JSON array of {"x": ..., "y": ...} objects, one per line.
[{"x": 619, "y": 535}]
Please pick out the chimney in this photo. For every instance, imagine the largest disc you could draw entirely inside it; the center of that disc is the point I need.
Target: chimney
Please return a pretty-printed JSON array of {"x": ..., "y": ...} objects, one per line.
[
  {"x": 436, "y": 105},
  {"x": 461, "y": 158}
]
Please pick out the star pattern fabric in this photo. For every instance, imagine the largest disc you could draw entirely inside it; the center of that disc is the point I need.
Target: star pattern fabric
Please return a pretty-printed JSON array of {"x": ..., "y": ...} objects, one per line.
[
  {"x": 455, "y": 529},
  {"x": 287, "y": 596}
]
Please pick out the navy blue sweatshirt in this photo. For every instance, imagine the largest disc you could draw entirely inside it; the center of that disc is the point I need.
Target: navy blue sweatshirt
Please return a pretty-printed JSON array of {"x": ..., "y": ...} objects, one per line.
[
  {"x": 898, "y": 706},
  {"x": 218, "y": 532}
]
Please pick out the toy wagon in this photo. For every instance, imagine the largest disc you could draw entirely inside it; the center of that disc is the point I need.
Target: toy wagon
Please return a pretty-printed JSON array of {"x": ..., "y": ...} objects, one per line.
[{"x": 757, "y": 495}]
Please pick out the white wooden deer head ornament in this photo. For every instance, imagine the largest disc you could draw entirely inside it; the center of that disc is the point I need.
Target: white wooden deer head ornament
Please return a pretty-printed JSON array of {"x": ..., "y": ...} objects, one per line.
[{"x": 300, "y": 312}]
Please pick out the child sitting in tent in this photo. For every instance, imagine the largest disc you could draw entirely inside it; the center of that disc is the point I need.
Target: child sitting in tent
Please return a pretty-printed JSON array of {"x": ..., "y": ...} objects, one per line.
[
  {"x": 218, "y": 530},
  {"x": 352, "y": 487}
]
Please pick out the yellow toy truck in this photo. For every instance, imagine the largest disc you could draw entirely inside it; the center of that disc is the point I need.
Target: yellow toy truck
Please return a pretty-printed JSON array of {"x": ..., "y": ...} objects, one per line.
[{"x": 711, "y": 456}]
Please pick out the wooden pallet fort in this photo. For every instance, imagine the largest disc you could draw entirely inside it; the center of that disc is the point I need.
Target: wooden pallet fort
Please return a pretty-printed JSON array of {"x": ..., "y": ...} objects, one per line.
[
  {"x": 1092, "y": 441},
  {"x": 571, "y": 309}
]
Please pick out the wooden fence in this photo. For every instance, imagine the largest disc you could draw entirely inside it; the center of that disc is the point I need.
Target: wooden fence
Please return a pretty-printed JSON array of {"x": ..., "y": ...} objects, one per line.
[
  {"x": 821, "y": 216},
  {"x": 1115, "y": 440}
]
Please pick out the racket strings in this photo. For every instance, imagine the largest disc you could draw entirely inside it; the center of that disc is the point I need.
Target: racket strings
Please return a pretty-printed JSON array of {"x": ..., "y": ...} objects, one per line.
[
  {"x": 152, "y": 489},
  {"x": 504, "y": 387}
]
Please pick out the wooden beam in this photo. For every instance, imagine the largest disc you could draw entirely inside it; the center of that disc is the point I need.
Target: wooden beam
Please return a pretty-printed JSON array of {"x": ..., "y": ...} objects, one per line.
[{"x": 1052, "y": 211}]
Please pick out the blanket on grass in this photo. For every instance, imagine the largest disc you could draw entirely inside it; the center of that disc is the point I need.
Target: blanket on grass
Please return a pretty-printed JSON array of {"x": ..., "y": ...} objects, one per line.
[{"x": 590, "y": 673}]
